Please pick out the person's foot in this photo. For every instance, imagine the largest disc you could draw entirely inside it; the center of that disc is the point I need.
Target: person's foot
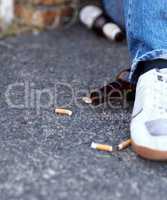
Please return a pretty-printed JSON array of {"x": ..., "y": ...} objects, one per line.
[{"x": 149, "y": 117}]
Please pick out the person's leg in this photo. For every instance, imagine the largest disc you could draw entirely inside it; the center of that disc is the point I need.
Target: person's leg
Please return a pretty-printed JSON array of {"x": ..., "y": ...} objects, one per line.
[
  {"x": 115, "y": 10},
  {"x": 119, "y": 10},
  {"x": 147, "y": 39},
  {"x": 146, "y": 33}
]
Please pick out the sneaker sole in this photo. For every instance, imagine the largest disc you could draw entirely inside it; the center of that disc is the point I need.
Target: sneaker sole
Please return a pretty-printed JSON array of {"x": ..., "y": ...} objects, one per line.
[{"x": 148, "y": 153}]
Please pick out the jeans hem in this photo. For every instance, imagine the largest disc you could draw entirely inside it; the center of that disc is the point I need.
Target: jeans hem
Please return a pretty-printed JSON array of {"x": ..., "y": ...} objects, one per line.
[{"x": 152, "y": 55}]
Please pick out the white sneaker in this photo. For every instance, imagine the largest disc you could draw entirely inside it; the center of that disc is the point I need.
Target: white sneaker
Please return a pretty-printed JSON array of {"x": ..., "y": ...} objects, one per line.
[{"x": 149, "y": 117}]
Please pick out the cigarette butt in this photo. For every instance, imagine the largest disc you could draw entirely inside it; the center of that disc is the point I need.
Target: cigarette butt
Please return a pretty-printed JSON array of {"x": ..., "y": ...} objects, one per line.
[
  {"x": 124, "y": 144},
  {"x": 101, "y": 147},
  {"x": 63, "y": 111},
  {"x": 87, "y": 100}
]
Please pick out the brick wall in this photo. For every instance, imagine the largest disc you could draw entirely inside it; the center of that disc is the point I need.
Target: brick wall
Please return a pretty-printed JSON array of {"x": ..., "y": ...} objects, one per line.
[
  {"x": 37, "y": 15},
  {"x": 30, "y": 15},
  {"x": 45, "y": 13}
]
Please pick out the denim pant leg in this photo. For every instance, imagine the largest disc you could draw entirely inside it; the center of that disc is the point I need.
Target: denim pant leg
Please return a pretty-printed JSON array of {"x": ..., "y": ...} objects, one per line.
[
  {"x": 146, "y": 22},
  {"x": 115, "y": 10}
]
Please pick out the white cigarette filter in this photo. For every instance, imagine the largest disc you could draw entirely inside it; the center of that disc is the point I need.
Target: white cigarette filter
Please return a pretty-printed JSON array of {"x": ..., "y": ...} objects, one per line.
[
  {"x": 6, "y": 11},
  {"x": 111, "y": 30},
  {"x": 88, "y": 14},
  {"x": 124, "y": 144},
  {"x": 87, "y": 100},
  {"x": 101, "y": 147},
  {"x": 63, "y": 111}
]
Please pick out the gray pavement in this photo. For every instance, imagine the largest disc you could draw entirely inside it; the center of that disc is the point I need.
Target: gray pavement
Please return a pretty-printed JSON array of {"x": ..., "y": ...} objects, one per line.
[{"x": 44, "y": 156}]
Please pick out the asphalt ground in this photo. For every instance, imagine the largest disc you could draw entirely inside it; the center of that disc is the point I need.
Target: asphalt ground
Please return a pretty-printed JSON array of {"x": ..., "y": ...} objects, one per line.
[{"x": 44, "y": 156}]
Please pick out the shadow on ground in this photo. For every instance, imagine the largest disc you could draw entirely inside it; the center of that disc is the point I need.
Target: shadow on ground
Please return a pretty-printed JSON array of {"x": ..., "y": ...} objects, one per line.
[{"x": 46, "y": 156}]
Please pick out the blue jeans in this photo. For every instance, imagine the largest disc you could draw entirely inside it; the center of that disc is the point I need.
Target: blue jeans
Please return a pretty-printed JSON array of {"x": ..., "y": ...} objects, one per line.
[{"x": 145, "y": 22}]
